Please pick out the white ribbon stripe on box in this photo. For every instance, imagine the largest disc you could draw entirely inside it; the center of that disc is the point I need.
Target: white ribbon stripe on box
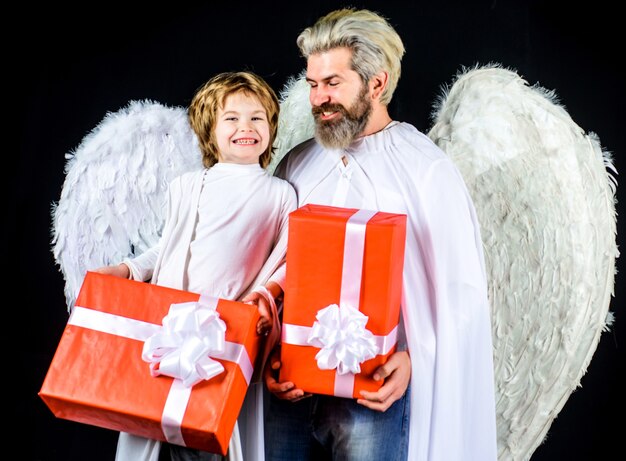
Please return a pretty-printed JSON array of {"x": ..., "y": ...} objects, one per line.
[
  {"x": 179, "y": 339},
  {"x": 340, "y": 329}
]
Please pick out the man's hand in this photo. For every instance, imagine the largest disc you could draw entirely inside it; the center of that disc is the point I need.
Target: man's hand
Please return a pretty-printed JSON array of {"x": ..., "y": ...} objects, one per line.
[
  {"x": 283, "y": 391},
  {"x": 397, "y": 374}
]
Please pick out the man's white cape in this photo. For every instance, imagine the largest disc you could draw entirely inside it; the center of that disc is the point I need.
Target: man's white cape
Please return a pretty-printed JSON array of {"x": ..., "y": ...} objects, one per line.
[{"x": 543, "y": 188}]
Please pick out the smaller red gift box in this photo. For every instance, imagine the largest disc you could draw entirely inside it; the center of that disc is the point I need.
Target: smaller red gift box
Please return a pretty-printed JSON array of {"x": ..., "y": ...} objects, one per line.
[
  {"x": 98, "y": 377},
  {"x": 339, "y": 257}
]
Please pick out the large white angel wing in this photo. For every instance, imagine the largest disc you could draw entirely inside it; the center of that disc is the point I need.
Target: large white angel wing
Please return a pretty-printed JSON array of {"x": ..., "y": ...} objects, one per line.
[
  {"x": 112, "y": 200},
  {"x": 545, "y": 197}
]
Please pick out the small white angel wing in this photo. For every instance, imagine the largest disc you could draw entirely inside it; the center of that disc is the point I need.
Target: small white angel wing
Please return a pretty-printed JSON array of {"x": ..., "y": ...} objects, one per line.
[
  {"x": 295, "y": 121},
  {"x": 544, "y": 192},
  {"x": 112, "y": 203}
]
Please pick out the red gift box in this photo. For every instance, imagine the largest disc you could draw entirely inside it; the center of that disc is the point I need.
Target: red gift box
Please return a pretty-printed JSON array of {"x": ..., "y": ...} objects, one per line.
[
  {"x": 341, "y": 257},
  {"x": 98, "y": 377}
]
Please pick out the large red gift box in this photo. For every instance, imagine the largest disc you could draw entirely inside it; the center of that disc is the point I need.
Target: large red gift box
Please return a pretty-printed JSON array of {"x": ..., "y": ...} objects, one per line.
[
  {"x": 340, "y": 257},
  {"x": 98, "y": 377}
]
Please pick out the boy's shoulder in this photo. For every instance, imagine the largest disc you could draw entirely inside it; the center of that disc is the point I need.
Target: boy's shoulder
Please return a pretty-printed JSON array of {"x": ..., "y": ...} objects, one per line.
[
  {"x": 186, "y": 179},
  {"x": 278, "y": 181},
  {"x": 189, "y": 175}
]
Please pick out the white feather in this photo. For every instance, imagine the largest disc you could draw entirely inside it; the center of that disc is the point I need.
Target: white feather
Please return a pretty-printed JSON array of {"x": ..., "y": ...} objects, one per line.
[
  {"x": 112, "y": 200},
  {"x": 545, "y": 197},
  {"x": 295, "y": 121}
]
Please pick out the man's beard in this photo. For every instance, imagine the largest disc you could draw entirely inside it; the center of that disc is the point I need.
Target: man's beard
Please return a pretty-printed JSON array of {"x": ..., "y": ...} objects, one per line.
[{"x": 339, "y": 134}]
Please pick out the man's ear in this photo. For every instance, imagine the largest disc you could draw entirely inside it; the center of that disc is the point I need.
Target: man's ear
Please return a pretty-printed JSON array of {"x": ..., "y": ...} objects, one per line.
[{"x": 378, "y": 83}]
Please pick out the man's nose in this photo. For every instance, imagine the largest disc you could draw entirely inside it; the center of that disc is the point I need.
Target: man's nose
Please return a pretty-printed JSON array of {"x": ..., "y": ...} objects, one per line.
[{"x": 319, "y": 96}]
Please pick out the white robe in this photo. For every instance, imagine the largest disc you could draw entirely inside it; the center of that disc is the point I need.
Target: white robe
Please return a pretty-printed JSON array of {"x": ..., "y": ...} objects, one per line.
[
  {"x": 225, "y": 233},
  {"x": 445, "y": 308}
]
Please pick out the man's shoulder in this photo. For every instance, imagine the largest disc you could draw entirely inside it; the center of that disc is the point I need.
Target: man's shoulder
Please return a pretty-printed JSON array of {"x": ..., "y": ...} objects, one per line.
[
  {"x": 296, "y": 154},
  {"x": 412, "y": 134},
  {"x": 411, "y": 139},
  {"x": 303, "y": 148}
]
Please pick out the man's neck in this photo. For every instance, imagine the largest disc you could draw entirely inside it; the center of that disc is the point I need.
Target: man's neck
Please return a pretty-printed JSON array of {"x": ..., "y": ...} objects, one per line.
[{"x": 378, "y": 121}]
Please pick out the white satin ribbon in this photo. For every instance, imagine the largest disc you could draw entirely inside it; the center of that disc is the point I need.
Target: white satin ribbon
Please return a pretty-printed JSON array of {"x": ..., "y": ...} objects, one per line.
[
  {"x": 344, "y": 341},
  {"x": 344, "y": 384},
  {"x": 192, "y": 333},
  {"x": 340, "y": 329},
  {"x": 178, "y": 396},
  {"x": 353, "y": 249},
  {"x": 299, "y": 335}
]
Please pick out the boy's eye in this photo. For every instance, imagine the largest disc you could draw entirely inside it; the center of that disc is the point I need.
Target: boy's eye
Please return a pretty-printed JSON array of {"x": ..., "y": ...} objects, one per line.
[
  {"x": 231, "y": 118},
  {"x": 258, "y": 119}
]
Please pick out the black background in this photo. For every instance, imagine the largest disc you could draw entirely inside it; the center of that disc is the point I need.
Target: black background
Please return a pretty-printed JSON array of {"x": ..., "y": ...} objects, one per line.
[{"x": 67, "y": 68}]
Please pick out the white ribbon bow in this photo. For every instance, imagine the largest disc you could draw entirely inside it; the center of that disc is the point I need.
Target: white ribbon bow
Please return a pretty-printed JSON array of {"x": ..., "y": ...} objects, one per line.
[
  {"x": 345, "y": 342},
  {"x": 191, "y": 332}
]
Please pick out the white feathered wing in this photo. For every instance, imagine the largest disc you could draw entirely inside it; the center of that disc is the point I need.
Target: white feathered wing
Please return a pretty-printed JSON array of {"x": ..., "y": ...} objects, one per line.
[
  {"x": 112, "y": 203},
  {"x": 295, "y": 121},
  {"x": 545, "y": 197}
]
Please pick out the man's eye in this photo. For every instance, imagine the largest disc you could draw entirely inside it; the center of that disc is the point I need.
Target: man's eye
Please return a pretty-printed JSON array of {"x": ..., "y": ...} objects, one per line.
[{"x": 333, "y": 83}]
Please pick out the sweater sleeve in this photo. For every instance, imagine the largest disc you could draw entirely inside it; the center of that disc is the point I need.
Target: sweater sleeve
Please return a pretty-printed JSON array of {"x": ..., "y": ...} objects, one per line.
[
  {"x": 142, "y": 266},
  {"x": 280, "y": 275}
]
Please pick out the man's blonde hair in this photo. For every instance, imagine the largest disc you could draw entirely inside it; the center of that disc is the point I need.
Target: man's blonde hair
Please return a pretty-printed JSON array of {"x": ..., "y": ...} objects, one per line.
[
  {"x": 375, "y": 44},
  {"x": 212, "y": 95}
]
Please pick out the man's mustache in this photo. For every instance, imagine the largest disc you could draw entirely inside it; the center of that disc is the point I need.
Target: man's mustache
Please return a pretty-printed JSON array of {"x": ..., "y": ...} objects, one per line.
[{"x": 328, "y": 107}]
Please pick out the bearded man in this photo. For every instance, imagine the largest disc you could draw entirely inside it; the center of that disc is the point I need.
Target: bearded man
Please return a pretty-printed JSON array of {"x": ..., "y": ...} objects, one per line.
[{"x": 437, "y": 401}]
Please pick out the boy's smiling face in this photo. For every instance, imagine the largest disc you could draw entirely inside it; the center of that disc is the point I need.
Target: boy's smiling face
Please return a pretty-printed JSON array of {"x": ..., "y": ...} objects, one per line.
[{"x": 242, "y": 130}]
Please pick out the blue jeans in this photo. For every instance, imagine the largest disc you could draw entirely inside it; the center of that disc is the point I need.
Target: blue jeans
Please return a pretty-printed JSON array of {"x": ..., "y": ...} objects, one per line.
[{"x": 323, "y": 427}]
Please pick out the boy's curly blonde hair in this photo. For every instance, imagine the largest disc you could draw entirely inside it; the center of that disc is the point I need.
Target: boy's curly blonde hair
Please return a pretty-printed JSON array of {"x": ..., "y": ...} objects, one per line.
[{"x": 211, "y": 97}]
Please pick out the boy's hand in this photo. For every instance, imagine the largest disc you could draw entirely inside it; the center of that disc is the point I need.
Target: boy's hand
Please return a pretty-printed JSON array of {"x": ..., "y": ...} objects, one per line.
[{"x": 121, "y": 270}]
